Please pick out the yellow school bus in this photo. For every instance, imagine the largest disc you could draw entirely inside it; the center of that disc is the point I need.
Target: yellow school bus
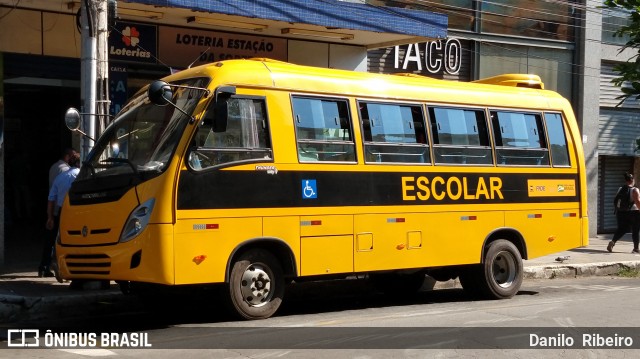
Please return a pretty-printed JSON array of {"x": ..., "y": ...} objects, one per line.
[{"x": 253, "y": 173}]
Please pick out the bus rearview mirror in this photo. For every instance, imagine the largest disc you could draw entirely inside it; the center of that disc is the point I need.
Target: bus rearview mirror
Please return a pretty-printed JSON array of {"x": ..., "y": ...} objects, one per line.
[
  {"x": 160, "y": 93},
  {"x": 72, "y": 119}
]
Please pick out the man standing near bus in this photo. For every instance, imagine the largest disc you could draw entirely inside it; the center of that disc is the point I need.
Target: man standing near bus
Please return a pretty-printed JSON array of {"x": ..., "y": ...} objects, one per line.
[
  {"x": 57, "y": 192},
  {"x": 627, "y": 206}
]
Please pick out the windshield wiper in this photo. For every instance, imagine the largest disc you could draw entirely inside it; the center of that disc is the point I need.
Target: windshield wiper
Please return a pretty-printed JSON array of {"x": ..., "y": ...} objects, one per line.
[{"x": 121, "y": 160}]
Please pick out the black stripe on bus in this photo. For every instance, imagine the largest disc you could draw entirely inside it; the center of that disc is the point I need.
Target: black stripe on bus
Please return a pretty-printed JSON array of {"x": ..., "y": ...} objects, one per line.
[{"x": 258, "y": 189}]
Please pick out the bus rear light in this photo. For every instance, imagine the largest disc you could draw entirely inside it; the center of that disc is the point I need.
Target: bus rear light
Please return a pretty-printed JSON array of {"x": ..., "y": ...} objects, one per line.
[{"x": 570, "y": 215}]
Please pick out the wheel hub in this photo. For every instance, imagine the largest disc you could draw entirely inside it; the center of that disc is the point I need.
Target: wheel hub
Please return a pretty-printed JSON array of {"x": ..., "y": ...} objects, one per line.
[
  {"x": 256, "y": 286},
  {"x": 504, "y": 269}
]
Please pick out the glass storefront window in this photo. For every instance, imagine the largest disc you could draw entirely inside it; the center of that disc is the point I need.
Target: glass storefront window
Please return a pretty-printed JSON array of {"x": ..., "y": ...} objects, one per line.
[
  {"x": 552, "y": 65},
  {"x": 612, "y": 21},
  {"x": 544, "y": 19},
  {"x": 460, "y": 12}
]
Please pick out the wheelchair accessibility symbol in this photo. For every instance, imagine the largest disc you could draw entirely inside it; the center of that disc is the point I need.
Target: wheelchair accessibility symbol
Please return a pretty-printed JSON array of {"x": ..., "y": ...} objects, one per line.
[{"x": 309, "y": 189}]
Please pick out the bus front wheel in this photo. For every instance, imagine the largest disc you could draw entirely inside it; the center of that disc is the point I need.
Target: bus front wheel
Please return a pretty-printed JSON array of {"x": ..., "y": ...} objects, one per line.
[
  {"x": 256, "y": 284},
  {"x": 499, "y": 276}
]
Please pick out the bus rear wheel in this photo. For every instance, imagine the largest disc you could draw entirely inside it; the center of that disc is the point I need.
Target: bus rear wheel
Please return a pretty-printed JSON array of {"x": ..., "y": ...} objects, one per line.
[
  {"x": 256, "y": 285},
  {"x": 499, "y": 276}
]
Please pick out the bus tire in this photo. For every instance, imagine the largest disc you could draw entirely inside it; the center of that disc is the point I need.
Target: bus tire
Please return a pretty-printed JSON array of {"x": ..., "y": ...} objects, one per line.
[
  {"x": 256, "y": 285},
  {"x": 499, "y": 276}
]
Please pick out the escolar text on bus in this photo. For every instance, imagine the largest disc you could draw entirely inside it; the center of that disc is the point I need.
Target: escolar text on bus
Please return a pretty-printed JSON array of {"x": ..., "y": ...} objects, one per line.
[{"x": 423, "y": 188}]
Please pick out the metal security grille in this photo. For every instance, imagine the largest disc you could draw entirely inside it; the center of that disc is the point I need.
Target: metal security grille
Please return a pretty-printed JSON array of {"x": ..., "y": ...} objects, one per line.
[{"x": 610, "y": 178}]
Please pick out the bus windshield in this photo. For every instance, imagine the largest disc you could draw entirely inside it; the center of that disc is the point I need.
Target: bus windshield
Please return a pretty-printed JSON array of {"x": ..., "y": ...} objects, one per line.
[{"x": 144, "y": 136}]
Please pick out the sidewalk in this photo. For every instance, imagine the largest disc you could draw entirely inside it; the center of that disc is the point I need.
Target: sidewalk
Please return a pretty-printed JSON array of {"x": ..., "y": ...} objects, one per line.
[{"x": 24, "y": 296}]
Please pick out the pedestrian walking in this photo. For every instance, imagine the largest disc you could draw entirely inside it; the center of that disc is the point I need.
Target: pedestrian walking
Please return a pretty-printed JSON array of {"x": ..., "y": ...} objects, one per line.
[
  {"x": 627, "y": 210},
  {"x": 57, "y": 193}
]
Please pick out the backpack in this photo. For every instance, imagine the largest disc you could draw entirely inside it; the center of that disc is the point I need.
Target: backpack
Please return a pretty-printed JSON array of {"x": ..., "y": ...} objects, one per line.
[{"x": 623, "y": 202}]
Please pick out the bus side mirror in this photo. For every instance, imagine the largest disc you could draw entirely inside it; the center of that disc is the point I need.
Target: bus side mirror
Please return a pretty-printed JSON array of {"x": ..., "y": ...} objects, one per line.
[
  {"x": 72, "y": 119},
  {"x": 160, "y": 93},
  {"x": 221, "y": 98}
]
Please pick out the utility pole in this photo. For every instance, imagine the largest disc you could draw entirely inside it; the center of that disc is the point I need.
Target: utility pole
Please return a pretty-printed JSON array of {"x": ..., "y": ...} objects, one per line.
[{"x": 95, "y": 70}]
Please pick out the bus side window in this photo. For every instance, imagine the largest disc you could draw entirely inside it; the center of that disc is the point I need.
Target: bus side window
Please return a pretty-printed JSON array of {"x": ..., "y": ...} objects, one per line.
[
  {"x": 557, "y": 140},
  {"x": 519, "y": 138},
  {"x": 246, "y": 137},
  {"x": 394, "y": 133},
  {"x": 460, "y": 136},
  {"x": 323, "y": 130}
]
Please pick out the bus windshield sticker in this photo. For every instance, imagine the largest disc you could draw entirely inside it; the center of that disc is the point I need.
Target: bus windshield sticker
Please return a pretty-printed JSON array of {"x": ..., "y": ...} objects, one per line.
[{"x": 272, "y": 170}]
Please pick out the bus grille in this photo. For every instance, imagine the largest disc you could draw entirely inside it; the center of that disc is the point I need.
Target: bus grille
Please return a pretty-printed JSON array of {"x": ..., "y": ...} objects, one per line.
[{"x": 93, "y": 264}]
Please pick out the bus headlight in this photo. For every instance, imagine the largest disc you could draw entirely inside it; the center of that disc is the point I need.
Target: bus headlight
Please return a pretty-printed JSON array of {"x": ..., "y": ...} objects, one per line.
[{"x": 137, "y": 221}]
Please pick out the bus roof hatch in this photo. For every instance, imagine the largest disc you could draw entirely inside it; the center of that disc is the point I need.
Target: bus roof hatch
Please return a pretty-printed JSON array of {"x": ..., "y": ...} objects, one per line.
[{"x": 515, "y": 80}]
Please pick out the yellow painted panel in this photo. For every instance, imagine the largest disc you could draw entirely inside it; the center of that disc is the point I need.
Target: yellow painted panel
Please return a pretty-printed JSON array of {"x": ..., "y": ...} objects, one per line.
[
  {"x": 286, "y": 229},
  {"x": 414, "y": 240},
  {"x": 547, "y": 231},
  {"x": 424, "y": 239},
  {"x": 323, "y": 225},
  {"x": 155, "y": 245},
  {"x": 457, "y": 237},
  {"x": 103, "y": 222},
  {"x": 203, "y": 246},
  {"x": 364, "y": 242},
  {"x": 391, "y": 237},
  {"x": 326, "y": 255}
]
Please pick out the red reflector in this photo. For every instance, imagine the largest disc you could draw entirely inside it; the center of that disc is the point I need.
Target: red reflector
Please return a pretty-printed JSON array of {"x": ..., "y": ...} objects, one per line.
[
  {"x": 212, "y": 226},
  {"x": 538, "y": 215},
  {"x": 399, "y": 220},
  {"x": 316, "y": 223},
  {"x": 199, "y": 259}
]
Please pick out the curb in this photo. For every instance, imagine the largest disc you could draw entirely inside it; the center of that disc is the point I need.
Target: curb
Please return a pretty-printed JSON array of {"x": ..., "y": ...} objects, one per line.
[
  {"x": 556, "y": 271},
  {"x": 578, "y": 270},
  {"x": 15, "y": 307}
]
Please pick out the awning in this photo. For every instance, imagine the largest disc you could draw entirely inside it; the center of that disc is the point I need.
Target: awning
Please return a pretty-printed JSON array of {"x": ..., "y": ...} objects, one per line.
[{"x": 339, "y": 21}]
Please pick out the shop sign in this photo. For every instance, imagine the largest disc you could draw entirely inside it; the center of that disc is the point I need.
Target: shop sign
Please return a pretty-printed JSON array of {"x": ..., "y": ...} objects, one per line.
[
  {"x": 181, "y": 47},
  {"x": 436, "y": 56},
  {"x": 117, "y": 88},
  {"x": 133, "y": 42}
]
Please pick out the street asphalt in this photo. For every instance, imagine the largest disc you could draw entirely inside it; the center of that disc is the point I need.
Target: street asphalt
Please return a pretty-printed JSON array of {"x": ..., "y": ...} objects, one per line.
[{"x": 25, "y": 296}]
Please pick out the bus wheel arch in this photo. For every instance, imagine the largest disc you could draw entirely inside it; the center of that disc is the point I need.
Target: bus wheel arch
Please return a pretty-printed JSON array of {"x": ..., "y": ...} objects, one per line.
[
  {"x": 277, "y": 247},
  {"x": 510, "y": 235}
]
